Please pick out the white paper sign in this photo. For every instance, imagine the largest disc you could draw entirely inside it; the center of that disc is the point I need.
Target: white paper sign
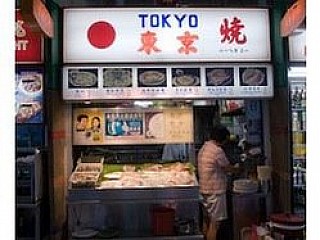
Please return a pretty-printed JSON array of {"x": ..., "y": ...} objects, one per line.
[
  {"x": 165, "y": 35},
  {"x": 297, "y": 46}
]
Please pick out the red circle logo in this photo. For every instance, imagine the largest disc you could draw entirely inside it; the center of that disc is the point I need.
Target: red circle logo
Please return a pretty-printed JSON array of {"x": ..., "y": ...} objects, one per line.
[{"x": 101, "y": 34}]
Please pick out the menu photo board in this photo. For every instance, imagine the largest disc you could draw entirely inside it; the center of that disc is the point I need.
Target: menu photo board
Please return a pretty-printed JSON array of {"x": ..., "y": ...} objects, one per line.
[
  {"x": 188, "y": 81},
  {"x": 29, "y": 95},
  {"x": 102, "y": 126}
]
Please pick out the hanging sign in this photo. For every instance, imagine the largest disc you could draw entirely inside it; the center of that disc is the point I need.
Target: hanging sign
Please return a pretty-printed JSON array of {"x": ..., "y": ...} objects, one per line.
[
  {"x": 29, "y": 46},
  {"x": 166, "y": 35},
  {"x": 38, "y": 17},
  {"x": 293, "y": 18}
]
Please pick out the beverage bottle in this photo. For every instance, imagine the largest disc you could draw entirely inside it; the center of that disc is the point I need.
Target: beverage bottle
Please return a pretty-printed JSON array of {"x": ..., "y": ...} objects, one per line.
[
  {"x": 295, "y": 177},
  {"x": 299, "y": 177},
  {"x": 293, "y": 95},
  {"x": 304, "y": 120},
  {"x": 298, "y": 98},
  {"x": 295, "y": 122},
  {"x": 303, "y": 98}
]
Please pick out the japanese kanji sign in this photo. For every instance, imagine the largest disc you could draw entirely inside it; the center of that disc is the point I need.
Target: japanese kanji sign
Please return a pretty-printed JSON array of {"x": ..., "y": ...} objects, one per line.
[
  {"x": 29, "y": 46},
  {"x": 166, "y": 35}
]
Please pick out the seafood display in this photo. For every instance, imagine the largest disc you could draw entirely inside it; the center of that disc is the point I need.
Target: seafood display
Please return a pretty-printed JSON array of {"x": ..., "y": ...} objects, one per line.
[
  {"x": 86, "y": 174},
  {"x": 150, "y": 175}
]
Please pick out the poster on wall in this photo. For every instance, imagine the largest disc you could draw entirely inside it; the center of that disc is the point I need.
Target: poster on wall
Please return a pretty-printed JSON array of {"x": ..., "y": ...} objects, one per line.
[
  {"x": 29, "y": 95},
  {"x": 88, "y": 126},
  {"x": 102, "y": 126}
]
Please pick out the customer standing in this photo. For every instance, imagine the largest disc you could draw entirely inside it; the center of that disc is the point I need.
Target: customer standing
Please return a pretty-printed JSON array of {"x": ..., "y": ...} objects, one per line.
[{"x": 212, "y": 168}]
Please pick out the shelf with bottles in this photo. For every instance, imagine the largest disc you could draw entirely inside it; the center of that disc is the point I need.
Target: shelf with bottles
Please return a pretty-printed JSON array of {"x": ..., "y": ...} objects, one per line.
[
  {"x": 299, "y": 154},
  {"x": 298, "y": 96},
  {"x": 299, "y": 121},
  {"x": 299, "y": 158},
  {"x": 300, "y": 131},
  {"x": 299, "y": 175},
  {"x": 299, "y": 109},
  {"x": 299, "y": 196}
]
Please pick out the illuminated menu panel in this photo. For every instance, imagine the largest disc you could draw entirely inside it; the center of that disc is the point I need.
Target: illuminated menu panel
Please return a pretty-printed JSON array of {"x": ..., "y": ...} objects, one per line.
[
  {"x": 188, "y": 81},
  {"x": 29, "y": 95}
]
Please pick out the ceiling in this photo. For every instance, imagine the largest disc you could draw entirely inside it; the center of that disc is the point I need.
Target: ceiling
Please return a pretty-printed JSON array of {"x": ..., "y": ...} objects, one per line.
[{"x": 137, "y": 3}]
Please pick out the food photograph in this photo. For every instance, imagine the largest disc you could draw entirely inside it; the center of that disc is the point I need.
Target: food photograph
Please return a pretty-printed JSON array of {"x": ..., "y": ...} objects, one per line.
[
  {"x": 183, "y": 77},
  {"x": 29, "y": 96},
  {"x": 152, "y": 77},
  {"x": 253, "y": 76},
  {"x": 83, "y": 78},
  {"x": 219, "y": 77},
  {"x": 117, "y": 77}
]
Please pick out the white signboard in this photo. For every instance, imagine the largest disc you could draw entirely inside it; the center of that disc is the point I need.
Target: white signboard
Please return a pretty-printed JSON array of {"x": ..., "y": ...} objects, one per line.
[
  {"x": 297, "y": 46},
  {"x": 104, "y": 35}
]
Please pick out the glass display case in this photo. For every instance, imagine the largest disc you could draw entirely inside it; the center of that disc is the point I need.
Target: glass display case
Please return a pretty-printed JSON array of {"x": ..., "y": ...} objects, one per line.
[{"x": 298, "y": 94}]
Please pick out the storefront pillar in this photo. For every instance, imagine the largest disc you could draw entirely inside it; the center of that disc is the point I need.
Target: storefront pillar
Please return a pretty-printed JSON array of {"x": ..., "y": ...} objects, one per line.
[
  {"x": 58, "y": 136},
  {"x": 279, "y": 116}
]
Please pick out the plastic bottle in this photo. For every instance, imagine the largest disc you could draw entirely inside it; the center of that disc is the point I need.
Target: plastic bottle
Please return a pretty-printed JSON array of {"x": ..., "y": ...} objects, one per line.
[
  {"x": 293, "y": 95},
  {"x": 303, "y": 98},
  {"x": 295, "y": 122},
  {"x": 298, "y": 97},
  {"x": 304, "y": 120},
  {"x": 295, "y": 177}
]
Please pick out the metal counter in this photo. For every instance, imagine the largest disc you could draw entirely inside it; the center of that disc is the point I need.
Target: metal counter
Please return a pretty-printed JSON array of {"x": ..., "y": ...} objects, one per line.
[
  {"x": 152, "y": 195},
  {"x": 129, "y": 210}
]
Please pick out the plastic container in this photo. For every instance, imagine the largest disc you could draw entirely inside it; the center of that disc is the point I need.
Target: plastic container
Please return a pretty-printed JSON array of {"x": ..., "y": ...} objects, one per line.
[{"x": 162, "y": 221}]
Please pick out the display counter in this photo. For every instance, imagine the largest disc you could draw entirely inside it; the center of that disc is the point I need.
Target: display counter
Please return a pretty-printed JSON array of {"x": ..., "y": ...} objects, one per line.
[
  {"x": 131, "y": 212},
  {"x": 131, "y": 201}
]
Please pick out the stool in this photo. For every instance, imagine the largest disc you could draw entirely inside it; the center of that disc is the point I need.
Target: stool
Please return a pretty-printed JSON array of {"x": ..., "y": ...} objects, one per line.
[
  {"x": 289, "y": 234},
  {"x": 245, "y": 233}
]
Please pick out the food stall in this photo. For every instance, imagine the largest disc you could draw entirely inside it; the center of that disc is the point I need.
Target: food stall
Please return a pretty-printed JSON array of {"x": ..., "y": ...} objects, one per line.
[{"x": 144, "y": 93}]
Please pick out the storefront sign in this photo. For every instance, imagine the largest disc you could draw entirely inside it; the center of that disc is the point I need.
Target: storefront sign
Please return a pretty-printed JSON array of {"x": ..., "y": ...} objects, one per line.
[
  {"x": 166, "y": 35},
  {"x": 297, "y": 46},
  {"x": 29, "y": 46}
]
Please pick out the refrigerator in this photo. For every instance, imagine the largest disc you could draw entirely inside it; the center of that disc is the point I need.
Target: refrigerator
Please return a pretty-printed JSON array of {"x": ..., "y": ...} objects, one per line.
[{"x": 298, "y": 93}]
